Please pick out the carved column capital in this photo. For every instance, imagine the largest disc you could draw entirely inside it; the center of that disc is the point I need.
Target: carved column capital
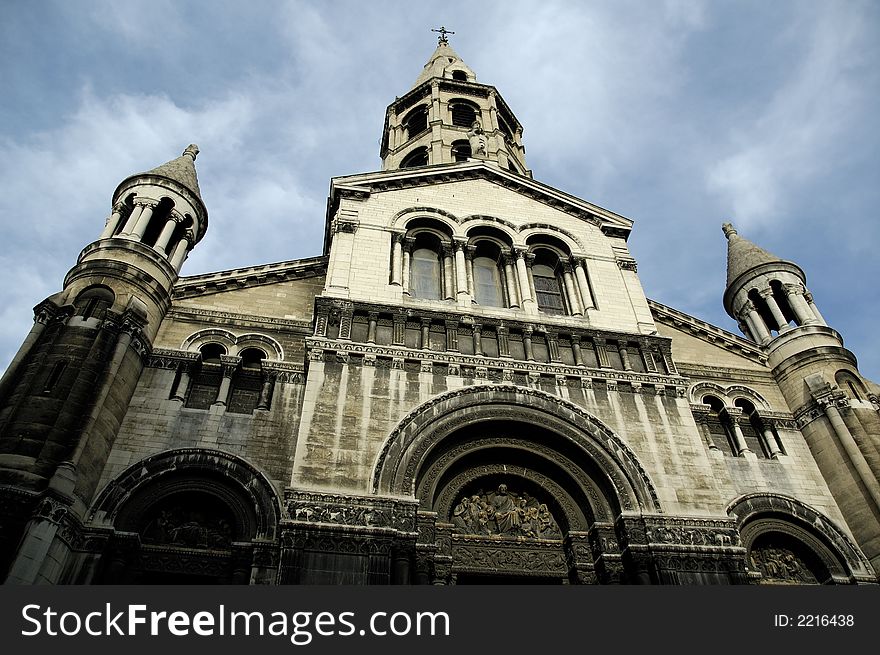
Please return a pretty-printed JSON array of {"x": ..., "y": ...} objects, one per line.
[{"x": 230, "y": 364}]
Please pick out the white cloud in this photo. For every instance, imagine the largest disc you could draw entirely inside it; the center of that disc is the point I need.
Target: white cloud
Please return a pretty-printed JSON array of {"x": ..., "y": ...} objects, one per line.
[{"x": 796, "y": 136}]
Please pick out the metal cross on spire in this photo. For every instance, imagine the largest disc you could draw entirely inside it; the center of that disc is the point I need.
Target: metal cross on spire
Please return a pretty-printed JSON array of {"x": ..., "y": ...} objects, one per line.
[{"x": 442, "y": 40}]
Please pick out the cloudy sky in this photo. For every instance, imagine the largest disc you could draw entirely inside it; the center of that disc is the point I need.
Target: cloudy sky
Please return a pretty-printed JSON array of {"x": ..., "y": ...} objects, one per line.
[{"x": 677, "y": 114}]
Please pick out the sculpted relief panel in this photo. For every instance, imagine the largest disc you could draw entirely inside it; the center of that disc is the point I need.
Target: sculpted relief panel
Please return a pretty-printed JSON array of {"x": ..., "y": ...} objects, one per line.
[{"x": 505, "y": 513}]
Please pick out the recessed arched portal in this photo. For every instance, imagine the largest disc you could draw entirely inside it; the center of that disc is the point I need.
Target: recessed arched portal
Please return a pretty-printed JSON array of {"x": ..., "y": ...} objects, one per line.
[
  {"x": 524, "y": 483},
  {"x": 789, "y": 542},
  {"x": 188, "y": 516}
]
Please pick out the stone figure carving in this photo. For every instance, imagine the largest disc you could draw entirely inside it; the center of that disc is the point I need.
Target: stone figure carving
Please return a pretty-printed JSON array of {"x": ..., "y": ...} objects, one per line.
[
  {"x": 780, "y": 565},
  {"x": 504, "y": 513},
  {"x": 188, "y": 527},
  {"x": 479, "y": 142}
]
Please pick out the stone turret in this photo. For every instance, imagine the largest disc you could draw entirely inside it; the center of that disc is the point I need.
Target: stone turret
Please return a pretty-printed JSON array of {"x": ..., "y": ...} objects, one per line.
[
  {"x": 66, "y": 391},
  {"x": 818, "y": 377}
]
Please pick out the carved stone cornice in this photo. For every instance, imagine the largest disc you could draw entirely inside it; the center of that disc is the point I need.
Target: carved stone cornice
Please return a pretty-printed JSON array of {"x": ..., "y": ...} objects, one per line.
[
  {"x": 170, "y": 359},
  {"x": 193, "y": 314},
  {"x": 312, "y": 508},
  {"x": 707, "y": 332},
  {"x": 250, "y": 276},
  {"x": 329, "y": 348}
]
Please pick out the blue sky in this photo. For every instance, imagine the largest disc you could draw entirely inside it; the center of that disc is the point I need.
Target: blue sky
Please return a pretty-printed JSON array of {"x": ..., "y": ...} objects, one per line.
[{"x": 676, "y": 114}]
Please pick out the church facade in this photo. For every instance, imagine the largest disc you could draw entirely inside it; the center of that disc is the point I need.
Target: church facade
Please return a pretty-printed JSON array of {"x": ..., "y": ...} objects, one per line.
[{"x": 467, "y": 386}]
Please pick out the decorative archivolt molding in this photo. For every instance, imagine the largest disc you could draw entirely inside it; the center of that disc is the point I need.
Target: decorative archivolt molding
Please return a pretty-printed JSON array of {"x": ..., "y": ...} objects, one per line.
[
  {"x": 729, "y": 394},
  {"x": 597, "y": 440},
  {"x": 238, "y": 343}
]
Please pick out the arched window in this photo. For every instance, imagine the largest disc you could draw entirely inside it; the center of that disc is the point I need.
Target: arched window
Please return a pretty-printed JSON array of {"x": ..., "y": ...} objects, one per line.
[
  {"x": 94, "y": 301},
  {"x": 781, "y": 299},
  {"x": 719, "y": 431},
  {"x": 763, "y": 311},
  {"x": 548, "y": 289},
  {"x": 461, "y": 150},
  {"x": 850, "y": 384},
  {"x": 463, "y": 114},
  {"x": 416, "y": 121},
  {"x": 418, "y": 157},
  {"x": 426, "y": 269},
  {"x": 461, "y": 76},
  {"x": 488, "y": 275},
  {"x": 157, "y": 221},
  {"x": 757, "y": 435},
  {"x": 549, "y": 286},
  {"x": 247, "y": 382},
  {"x": 206, "y": 383}
]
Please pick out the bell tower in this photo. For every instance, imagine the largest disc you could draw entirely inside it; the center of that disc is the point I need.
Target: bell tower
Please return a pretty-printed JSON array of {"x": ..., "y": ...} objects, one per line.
[
  {"x": 818, "y": 377},
  {"x": 448, "y": 116},
  {"x": 66, "y": 391}
]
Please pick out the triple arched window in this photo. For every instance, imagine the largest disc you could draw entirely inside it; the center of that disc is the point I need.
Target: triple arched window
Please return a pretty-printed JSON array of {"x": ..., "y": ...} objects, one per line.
[{"x": 488, "y": 269}]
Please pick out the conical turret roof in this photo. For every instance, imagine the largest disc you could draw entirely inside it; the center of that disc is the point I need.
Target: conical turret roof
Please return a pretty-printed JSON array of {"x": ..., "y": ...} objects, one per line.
[
  {"x": 444, "y": 57},
  {"x": 181, "y": 170},
  {"x": 743, "y": 255}
]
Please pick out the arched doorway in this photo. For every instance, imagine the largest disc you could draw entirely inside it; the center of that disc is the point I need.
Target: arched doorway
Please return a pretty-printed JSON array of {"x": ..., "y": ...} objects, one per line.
[
  {"x": 189, "y": 516},
  {"x": 518, "y": 485},
  {"x": 790, "y": 543}
]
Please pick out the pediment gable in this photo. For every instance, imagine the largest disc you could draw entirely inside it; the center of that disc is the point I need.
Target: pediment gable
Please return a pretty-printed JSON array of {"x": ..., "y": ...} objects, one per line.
[{"x": 362, "y": 186}]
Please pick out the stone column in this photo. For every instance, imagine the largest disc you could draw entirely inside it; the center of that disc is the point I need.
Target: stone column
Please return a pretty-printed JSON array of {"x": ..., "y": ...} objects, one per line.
[
  {"x": 396, "y": 258},
  {"x": 371, "y": 328},
  {"x": 161, "y": 244},
  {"x": 448, "y": 274},
  {"x": 133, "y": 217},
  {"x": 112, "y": 221},
  {"x": 808, "y": 297},
  {"x": 739, "y": 439},
  {"x": 753, "y": 319},
  {"x": 624, "y": 355},
  {"x": 530, "y": 262},
  {"x": 510, "y": 281},
  {"x": 701, "y": 417},
  {"x": 408, "y": 245},
  {"x": 426, "y": 334},
  {"x": 525, "y": 292},
  {"x": 469, "y": 269},
  {"x": 855, "y": 456},
  {"x": 770, "y": 440},
  {"x": 527, "y": 344},
  {"x": 580, "y": 273},
  {"x": 461, "y": 281},
  {"x": 183, "y": 383},
  {"x": 230, "y": 366},
  {"x": 576, "y": 350},
  {"x": 181, "y": 250},
  {"x": 799, "y": 306},
  {"x": 571, "y": 294},
  {"x": 269, "y": 378},
  {"x": 143, "y": 220},
  {"x": 43, "y": 313},
  {"x": 767, "y": 295}
]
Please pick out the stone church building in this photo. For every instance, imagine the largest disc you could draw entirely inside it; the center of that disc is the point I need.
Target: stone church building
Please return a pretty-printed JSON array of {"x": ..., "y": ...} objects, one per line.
[{"x": 468, "y": 385}]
